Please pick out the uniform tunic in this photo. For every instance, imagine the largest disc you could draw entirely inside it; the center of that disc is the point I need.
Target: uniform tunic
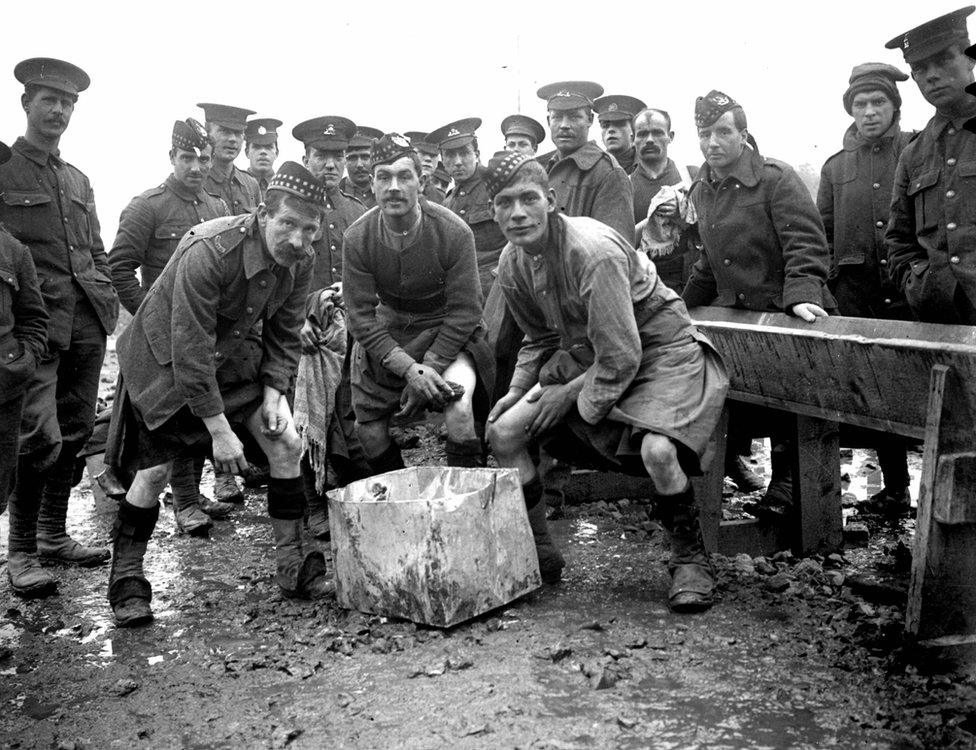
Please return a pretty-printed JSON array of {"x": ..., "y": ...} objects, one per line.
[
  {"x": 341, "y": 212},
  {"x": 262, "y": 180},
  {"x": 763, "y": 240},
  {"x": 854, "y": 201},
  {"x": 591, "y": 305},
  {"x": 470, "y": 201},
  {"x": 239, "y": 190},
  {"x": 931, "y": 235},
  {"x": 627, "y": 160},
  {"x": 150, "y": 228},
  {"x": 419, "y": 304},
  {"x": 589, "y": 182},
  {"x": 363, "y": 195}
]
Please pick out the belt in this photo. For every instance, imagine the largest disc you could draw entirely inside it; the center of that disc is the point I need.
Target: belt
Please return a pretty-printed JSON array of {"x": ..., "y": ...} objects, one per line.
[{"x": 421, "y": 305}]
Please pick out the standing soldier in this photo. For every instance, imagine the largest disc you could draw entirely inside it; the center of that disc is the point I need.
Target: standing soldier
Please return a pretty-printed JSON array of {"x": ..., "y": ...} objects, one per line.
[
  {"x": 587, "y": 180},
  {"x": 854, "y": 201},
  {"x": 616, "y": 115},
  {"x": 458, "y": 145},
  {"x": 225, "y": 127},
  {"x": 359, "y": 182},
  {"x": 522, "y": 134},
  {"x": 931, "y": 235},
  {"x": 261, "y": 137},
  {"x": 49, "y": 206},
  {"x": 429, "y": 156},
  {"x": 150, "y": 228}
]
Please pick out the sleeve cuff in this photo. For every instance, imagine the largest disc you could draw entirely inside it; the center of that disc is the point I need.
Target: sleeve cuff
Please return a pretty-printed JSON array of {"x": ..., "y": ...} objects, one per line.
[
  {"x": 523, "y": 379},
  {"x": 803, "y": 291},
  {"x": 590, "y": 413},
  {"x": 397, "y": 361},
  {"x": 207, "y": 405},
  {"x": 436, "y": 361},
  {"x": 278, "y": 379}
]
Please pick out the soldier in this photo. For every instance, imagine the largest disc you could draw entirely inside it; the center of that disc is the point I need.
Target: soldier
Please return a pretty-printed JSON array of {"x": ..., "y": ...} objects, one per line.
[
  {"x": 261, "y": 139},
  {"x": 616, "y": 115},
  {"x": 429, "y": 161},
  {"x": 931, "y": 236},
  {"x": 522, "y": 134},
  {"x": 469, "y": 199},
  {"x": 854, "y": 201},
  {"x": 225, "y": 127},
  {"x": 358, "y": 180},
  {"x": 48, "y": 205},
  {"x": 410, "y": 283},
  {"x": 326, "y": 141},
  {"x": 441, "y": 181},
  {"x": 587, "y": 180},
  {"x": 179, "y": 396},
  {"x": 150, "y": 228},
  {"x": 23, "y": 341},
  {"x": 612, "y": 373}
]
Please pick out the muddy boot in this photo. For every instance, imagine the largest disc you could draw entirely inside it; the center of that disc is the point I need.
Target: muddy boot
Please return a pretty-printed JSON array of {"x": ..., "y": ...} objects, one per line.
[
  {"x": 256, "y": 477},
  {"x": 297, "y": 573},
  {"x": 129, "y": 592},
  {"x": 226, "y": 489},
  {"x": 551, "y": 562},
  {"x": 465, "y": 453},
  {"x": 190, "y": 518},
  {"x": 214, "y": 508},
  {"x": 777, "y": 503},
  {"x": 389, "y": 460},
  {"x": 27, "y": 578},
  {"x": 110, "y": 483},
  {"x": 692, "y": 575},
  {"x": 54, "y": 546},
  {"x": 738, "y": 470},
  {"x": 318, "y": 517}
]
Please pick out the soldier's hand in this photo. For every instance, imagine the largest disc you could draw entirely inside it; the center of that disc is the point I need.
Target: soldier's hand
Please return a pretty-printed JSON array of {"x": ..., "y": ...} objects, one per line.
[
  {"x": 808, "y": 311},
  {"x": 228, "y": 453},
  {"x": 310, "y": 335},
  {"x": 554, "y": 403},
  {"x": 274, "y": 417},
  {"x": 424, "y": 386},
  {"x": 505, "y": 403}
]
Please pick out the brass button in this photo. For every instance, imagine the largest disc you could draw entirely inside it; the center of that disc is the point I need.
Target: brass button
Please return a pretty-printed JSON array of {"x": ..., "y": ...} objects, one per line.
[
  {"x": 262, "y": 283},
  {"x": 951, "y": 225},
  {"x": 950, "y": 193},
  {"x": 879, "y": 224},
  {"x": 951, "y": 161},
  {"x": 884, "y": 261},
  {"x": 887, "y": 301},
  {"x": 954, "y": 259},
  {"x": 249, "y": 310},
  {"x": 727, "y": 261},
  {"x": 237, "y": 334},
  {"x": 740, "y": 295},
  {"x": 876, "y": 185}
]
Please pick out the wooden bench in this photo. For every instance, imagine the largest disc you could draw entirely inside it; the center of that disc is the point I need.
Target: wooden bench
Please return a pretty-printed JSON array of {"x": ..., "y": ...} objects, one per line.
[{"x": 912, "y": 379}]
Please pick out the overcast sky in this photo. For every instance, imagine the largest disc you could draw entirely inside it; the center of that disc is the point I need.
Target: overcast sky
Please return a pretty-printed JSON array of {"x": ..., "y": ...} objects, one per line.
[{"x": 419, "y": 65}]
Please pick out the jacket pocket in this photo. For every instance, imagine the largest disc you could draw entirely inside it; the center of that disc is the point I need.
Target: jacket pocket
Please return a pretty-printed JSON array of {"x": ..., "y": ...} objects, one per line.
[
  {"x": 851, "y": 259},
  {"x": 28, "y": 214},
  {"x": 9, "y": 286},
  {"x": 921, "y": 189},
  {"x": 81, "y": 220},
  {"x": 17, "y": 365},
  {"x": 915, "y": 282}
]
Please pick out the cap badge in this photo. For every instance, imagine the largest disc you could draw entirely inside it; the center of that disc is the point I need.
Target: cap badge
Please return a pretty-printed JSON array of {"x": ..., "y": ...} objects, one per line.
[
  {"x": 262, "y": 130},
  {"x": 721, "y": 100},
  {"x": 329, "y": 130},
  {"x": 400, "y": 141},
  {"x": 905, "y": 44},
  {"x": 612, "y": 108},
  {"x": 453, "y": 132}
]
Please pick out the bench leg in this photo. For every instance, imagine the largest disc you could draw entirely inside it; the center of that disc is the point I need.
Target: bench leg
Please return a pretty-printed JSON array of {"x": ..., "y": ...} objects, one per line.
[{"x": 816, "y": 486}]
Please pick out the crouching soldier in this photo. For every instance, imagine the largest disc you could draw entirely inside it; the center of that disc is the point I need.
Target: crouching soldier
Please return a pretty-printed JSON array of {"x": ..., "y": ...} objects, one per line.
[
  {"x": 612, "y": 372},
  {"x": 413, "y": 301},
  {"x": 176, "y": 396}
]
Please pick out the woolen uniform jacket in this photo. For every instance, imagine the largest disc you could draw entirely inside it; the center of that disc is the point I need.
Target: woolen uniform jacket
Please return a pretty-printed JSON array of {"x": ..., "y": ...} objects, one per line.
[
  {"x": 763, "y": 241},
  {"x": 150, "y": 228},
  {"x": 49, "y": 206},
  {"x": 23, "y": 319},
  {"x": 182, "y": 342},
  {"x": 470, "y": 201}
]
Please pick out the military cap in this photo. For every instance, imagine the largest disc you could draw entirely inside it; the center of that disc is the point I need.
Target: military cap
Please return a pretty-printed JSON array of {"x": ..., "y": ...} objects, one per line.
[
  {"x": 617, "y": 107},
  {"x": 564, "y": 95},
  {"x": 932, "y": 36},
  {"x": 294, "y": 179},
  {"x": 440, "y": 173},
  {"x": 874, "y": 76},
  {"x": 262, "y": 131},
  {"x": 364, "y": 137},
  {"x": 331, "y": 133},
  {"x": 389, "y": 148},
  {"x": 54, "y": 74},
  {"x": 523, "y": 125},
  {"x": 5, "y": 153},
  {"x": 502, "y": 168},
  {"x": 710, "y": 107},
  {"x": 233, "y": 118},
  {"x": 455, "y": 134},
  {"x": 190, "y": 135},
  {"x": 418, "y": 139}
]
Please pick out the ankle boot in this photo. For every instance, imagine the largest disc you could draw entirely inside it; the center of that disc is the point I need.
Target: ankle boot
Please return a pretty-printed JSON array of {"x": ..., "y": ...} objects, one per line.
[
  {"x": 318, "y": 516},
  {"x": 551, "y": 562},
  {"x": 27, "y": 578},
  {"x": 389, "y": 460},
  {"x": 53, "y": 543},
  {"x": 297, "y": 573},
  {"x": 226, "y": 489},
  {"x": 777, "y": 502},
  {"x": 465, "y": 453},
  {"x": 129, "y": 592},
  {"x": 692, "y": 575}
]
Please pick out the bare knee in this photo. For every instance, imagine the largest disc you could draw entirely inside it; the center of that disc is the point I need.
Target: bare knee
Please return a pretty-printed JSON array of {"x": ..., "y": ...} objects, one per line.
[
  {"x": 506, "y": 435},
  {"x": 658, "y": 453},
  {"x": 286, "y": 452},
  {"x": 374, "y": 436}
]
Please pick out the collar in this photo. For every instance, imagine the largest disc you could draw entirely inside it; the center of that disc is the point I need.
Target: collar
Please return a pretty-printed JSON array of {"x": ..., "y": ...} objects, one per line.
[
  {"x": 478, "y": 176},
  {"x": 940, "y": 122},
  {"x": 37, "y": 155},
  {"x": 668, "y": 166},
  {"x": 854, "y": 140},
  {"x": 586, "y": 156},
  {"x": 182, "y": 191},
  {"x": 748, "y": 170}
]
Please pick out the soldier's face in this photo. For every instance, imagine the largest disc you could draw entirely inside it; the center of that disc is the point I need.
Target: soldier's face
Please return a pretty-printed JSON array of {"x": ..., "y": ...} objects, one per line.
[
  {"x": 873, "y": 112},
  {"x": 652, "y": 137},
  {"x": 48, "y": 111},
  {"x": 618, "y": 135},
  {"x": 460, "y": 162},
  {"x": 522, "y": 210},
  {"x": 943, "y": 77},
  {"x": 191, "y": 167},
  {"x": 570, "y": 128},
  {"x": 358, "y": 166},
  {"x": 325, "y": 164},
  {"x": 227, "y": 142},
  {"x": 262, "y": 156},
  {"x": 428, "y": 163},
  {"x": 288, "y": 234},
  {"x": 722, "y": 142},
  {"x": 396, "y": 186},
  {"x": 521, "y": 144}
]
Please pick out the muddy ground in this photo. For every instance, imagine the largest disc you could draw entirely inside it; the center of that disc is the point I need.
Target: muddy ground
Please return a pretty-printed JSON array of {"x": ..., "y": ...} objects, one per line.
[{"x": 790, "y": 656}]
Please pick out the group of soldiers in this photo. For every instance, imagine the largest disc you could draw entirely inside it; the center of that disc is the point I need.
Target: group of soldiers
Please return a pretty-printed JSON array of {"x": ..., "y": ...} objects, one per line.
[{"x": 286, "y": 317}]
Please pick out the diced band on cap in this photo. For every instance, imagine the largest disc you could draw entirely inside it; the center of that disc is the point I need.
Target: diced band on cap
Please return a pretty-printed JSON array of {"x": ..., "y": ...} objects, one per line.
[
  {"x": 502, "y": 168},
  {"x": 190, "y": 135},
  {"x": 53, "y": 74},
  {"x": 710, "y": 107},
  {"x": 389, "y": 148},
  {"x": 294, "y": 179}
]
